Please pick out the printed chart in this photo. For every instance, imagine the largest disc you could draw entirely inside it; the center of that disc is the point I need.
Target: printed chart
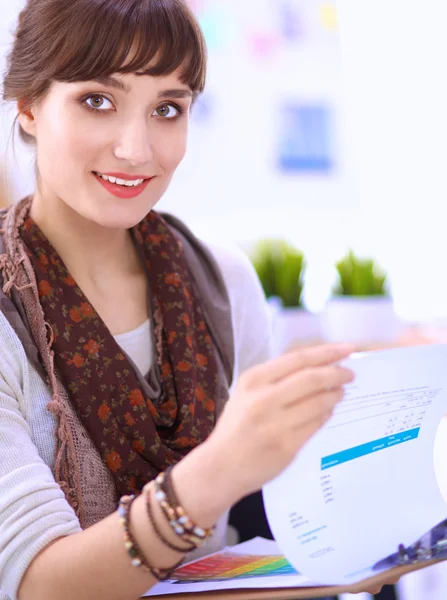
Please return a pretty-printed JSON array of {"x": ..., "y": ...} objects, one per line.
[{"x": 229, "y": 565}]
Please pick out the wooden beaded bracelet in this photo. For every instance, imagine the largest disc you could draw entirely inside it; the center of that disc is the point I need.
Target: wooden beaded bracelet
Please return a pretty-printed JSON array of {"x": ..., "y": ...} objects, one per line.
[
  {"x": 135, "y": 554},
  {"x": 182, "y": 525},
  {"x": 147, "y": 492},
  {"x": 168, "y": 487}
]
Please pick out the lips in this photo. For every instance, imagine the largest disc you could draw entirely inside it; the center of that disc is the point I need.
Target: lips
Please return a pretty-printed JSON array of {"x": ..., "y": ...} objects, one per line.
[{"x": 122, "y": 191}]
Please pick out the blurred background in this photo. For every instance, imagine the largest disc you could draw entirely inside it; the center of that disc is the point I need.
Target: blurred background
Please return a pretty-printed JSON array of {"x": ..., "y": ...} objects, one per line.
[
  {"x": 318, "y": 148},
  {"x": 314, "y": 129}
]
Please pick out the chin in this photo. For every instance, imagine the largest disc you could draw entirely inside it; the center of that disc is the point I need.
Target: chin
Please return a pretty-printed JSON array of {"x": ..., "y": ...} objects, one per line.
[
  {"x": 125, "y": 215},
  {"x": 127, "y": 221}
]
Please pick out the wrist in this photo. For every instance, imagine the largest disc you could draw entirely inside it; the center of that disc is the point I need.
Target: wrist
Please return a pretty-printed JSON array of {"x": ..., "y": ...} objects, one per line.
[
  {"x": 153, "y": 548},
  {"x": 204, "y": 484}
]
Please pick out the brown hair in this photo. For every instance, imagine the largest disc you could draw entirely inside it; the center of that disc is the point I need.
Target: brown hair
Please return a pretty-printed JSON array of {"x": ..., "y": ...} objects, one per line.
[{"x": 80, "y": 40}]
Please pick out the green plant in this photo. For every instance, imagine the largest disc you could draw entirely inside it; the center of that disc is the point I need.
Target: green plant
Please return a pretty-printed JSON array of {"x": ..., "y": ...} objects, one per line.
[
  {"x": 360, "y": 277},
  {"x": 280, "y": 268}
]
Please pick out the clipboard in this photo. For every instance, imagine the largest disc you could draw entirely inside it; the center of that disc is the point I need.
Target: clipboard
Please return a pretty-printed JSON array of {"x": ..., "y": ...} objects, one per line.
[{"x": 304, "y": 593}]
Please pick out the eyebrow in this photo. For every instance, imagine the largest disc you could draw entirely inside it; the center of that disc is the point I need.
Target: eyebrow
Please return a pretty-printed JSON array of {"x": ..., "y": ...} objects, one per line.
[
  {"x": 176, "y": 93},
  {"x": 110, "y": 81}
]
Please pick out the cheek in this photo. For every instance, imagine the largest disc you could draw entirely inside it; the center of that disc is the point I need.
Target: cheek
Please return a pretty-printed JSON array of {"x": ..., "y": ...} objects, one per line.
[
  {"x": 171, "y": 148},
  {"x": 67, "y": 146}
]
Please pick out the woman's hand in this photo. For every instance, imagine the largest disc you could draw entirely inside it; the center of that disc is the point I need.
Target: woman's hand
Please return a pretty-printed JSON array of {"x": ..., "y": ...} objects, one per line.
[{"x": 276, "y": 408}]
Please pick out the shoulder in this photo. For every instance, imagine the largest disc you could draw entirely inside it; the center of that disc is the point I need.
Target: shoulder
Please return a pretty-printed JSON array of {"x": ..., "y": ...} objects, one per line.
[
  {"x": 233, "y": 263},
  {"x": 235, "y": 266},
  {"x": 250, "y": 313},
  {"x": 242, "y": 283}
]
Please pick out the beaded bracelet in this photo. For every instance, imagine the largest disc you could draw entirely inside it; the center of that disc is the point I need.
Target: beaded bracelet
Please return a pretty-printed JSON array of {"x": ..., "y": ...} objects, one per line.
[
  {"x": 136, "y": 556},
  {"x": 167, "y": 486},
  {"x": 180, "y": 522},
  {"x": 159, "y": 534}
]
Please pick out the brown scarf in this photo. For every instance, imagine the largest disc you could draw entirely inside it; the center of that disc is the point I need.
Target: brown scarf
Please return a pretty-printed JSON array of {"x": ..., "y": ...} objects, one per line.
[{"x": 137, "y": 429}]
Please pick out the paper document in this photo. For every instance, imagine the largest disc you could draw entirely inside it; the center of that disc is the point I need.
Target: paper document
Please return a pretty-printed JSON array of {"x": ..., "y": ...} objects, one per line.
[{"x": 363, "y": 491}]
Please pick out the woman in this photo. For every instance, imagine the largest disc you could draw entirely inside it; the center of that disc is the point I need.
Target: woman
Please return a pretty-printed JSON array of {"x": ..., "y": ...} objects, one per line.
[{"x": 121, "y": 334}]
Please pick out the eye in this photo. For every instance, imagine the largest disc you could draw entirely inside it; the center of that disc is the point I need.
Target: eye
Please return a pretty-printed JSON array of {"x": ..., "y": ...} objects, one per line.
[
  {"x": 167, "y": 111},
  {"x": 98, "y": 102}
]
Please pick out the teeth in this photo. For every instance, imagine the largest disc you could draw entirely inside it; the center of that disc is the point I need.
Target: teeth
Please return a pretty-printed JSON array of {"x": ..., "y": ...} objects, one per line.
[{"x": 126, "y": 183}]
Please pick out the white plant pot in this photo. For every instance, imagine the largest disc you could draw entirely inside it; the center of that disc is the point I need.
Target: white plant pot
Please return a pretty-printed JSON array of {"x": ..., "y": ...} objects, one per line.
[
  {"x": 292, "y": 326},
  {"x": 360, "y": 319}
]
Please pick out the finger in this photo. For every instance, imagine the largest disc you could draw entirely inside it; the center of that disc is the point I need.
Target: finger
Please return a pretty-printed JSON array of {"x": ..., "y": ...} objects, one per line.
[
  {"x": 319, "y": 407},
  {"x": 287, "y": 364},
  {"x": 303, "y": 432},
  {"x": 310, "y": 382}
]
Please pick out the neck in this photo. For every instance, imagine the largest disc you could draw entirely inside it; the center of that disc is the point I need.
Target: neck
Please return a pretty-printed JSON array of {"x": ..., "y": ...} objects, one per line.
[{"x": 89, "y": 251}]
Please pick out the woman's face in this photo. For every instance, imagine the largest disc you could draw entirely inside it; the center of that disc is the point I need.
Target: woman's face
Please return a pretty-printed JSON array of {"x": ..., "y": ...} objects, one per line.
[{"x": 130, "y": 128}]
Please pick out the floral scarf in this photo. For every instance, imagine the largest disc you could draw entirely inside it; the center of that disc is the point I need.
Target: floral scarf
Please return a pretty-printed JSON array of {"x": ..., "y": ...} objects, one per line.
[{"x": 136, "y": 435}]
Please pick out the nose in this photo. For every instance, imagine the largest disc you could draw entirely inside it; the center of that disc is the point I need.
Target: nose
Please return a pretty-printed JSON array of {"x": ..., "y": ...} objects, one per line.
[{"x": 134, "y": 144}]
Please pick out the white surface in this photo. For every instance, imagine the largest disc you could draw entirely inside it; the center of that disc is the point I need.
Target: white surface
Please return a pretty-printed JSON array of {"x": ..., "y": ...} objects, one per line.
[
  {"x": 393, "y": 56},
  {"x": 428, "y": 584},
  {"x": 341, "y": 522}
]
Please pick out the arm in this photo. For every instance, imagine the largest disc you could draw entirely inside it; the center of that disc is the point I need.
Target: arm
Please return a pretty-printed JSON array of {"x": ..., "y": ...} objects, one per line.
[
  {"x": 93, "y": 564},
  {"x": 64, "y": 562}
]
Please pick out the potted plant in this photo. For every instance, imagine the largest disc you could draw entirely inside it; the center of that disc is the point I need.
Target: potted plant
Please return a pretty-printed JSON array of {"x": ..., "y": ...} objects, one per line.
[
  {"x": 280, "y": 267},
  {"x": 361, "y": 307}
]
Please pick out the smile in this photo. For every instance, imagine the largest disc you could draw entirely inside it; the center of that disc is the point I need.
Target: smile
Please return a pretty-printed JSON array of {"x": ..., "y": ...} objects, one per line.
[
  {"x": 125, "y": 182},
  {"x": 121, "y": 187}
]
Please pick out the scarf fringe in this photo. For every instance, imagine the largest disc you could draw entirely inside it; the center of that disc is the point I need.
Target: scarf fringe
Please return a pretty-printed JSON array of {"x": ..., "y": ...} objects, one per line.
[{"x": 18, "y": 274}]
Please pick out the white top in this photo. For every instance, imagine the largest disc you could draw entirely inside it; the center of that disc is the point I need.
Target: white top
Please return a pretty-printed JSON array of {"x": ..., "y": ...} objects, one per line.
[
  {"x": 137, "y": 344},
  {"x": 33, "y": 509}
]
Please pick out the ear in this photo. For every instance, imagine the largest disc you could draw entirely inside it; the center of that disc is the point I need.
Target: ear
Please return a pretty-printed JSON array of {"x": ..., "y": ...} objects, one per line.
[{"x": 26, "y": 118}]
